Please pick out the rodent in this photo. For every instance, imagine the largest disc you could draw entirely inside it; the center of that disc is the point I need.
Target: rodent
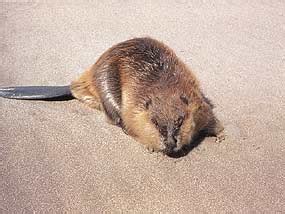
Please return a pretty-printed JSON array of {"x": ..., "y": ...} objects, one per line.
[{"x": 144, "y": 88}]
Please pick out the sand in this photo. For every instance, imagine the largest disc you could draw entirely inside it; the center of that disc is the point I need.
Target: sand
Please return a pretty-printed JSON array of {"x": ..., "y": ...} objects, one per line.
[{"x": 64, "y": 157}]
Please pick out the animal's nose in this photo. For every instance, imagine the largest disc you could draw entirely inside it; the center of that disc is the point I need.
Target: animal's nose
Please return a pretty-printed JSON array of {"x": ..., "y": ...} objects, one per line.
[
  {"x": 170, "y": 145},
  {"x": 172, "y": 141}
]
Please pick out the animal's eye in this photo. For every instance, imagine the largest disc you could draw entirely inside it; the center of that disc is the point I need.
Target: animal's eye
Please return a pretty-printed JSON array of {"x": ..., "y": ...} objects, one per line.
[{"x": 163, "y": 130}]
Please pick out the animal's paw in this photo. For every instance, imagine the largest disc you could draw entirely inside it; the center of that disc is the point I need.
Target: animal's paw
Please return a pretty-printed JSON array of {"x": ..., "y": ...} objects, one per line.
[
  {"x": 220, "y": 137},
  {"x": 150, "y": 148}
]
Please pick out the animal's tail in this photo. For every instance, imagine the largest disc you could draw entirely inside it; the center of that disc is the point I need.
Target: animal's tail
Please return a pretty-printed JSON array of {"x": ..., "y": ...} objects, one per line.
[{"x": 48, "y": 93}]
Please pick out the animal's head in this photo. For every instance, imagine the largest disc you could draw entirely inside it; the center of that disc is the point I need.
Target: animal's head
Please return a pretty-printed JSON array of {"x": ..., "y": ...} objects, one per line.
[{"x": 174, "y": 116}]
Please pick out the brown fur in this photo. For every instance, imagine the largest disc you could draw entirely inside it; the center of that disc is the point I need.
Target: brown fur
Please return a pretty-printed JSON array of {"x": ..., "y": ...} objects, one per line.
[{"x": 143, "y": 87}]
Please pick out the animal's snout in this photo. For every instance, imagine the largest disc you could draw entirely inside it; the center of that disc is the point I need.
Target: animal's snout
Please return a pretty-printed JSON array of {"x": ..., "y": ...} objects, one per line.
[{"x": 170, "y": 145}]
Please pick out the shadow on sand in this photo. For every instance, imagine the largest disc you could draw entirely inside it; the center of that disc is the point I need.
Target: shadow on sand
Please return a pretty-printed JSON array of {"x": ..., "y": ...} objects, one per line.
[{"x": 196, "y": 141}]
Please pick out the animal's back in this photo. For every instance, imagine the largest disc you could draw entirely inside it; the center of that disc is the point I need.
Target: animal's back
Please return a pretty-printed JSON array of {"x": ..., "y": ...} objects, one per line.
[
  {"x": 145, "y": 60},
  {"x": 147, "y": 66}
]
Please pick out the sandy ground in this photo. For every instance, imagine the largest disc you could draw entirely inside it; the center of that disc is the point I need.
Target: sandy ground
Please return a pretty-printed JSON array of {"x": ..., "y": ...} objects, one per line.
[{"x": 62, "y": 156}]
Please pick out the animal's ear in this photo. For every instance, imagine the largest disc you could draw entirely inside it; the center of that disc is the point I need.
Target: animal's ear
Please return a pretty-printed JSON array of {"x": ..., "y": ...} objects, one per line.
[
  {"x": 147, "y": 103},
  {"x": 185, "y": 99}
]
